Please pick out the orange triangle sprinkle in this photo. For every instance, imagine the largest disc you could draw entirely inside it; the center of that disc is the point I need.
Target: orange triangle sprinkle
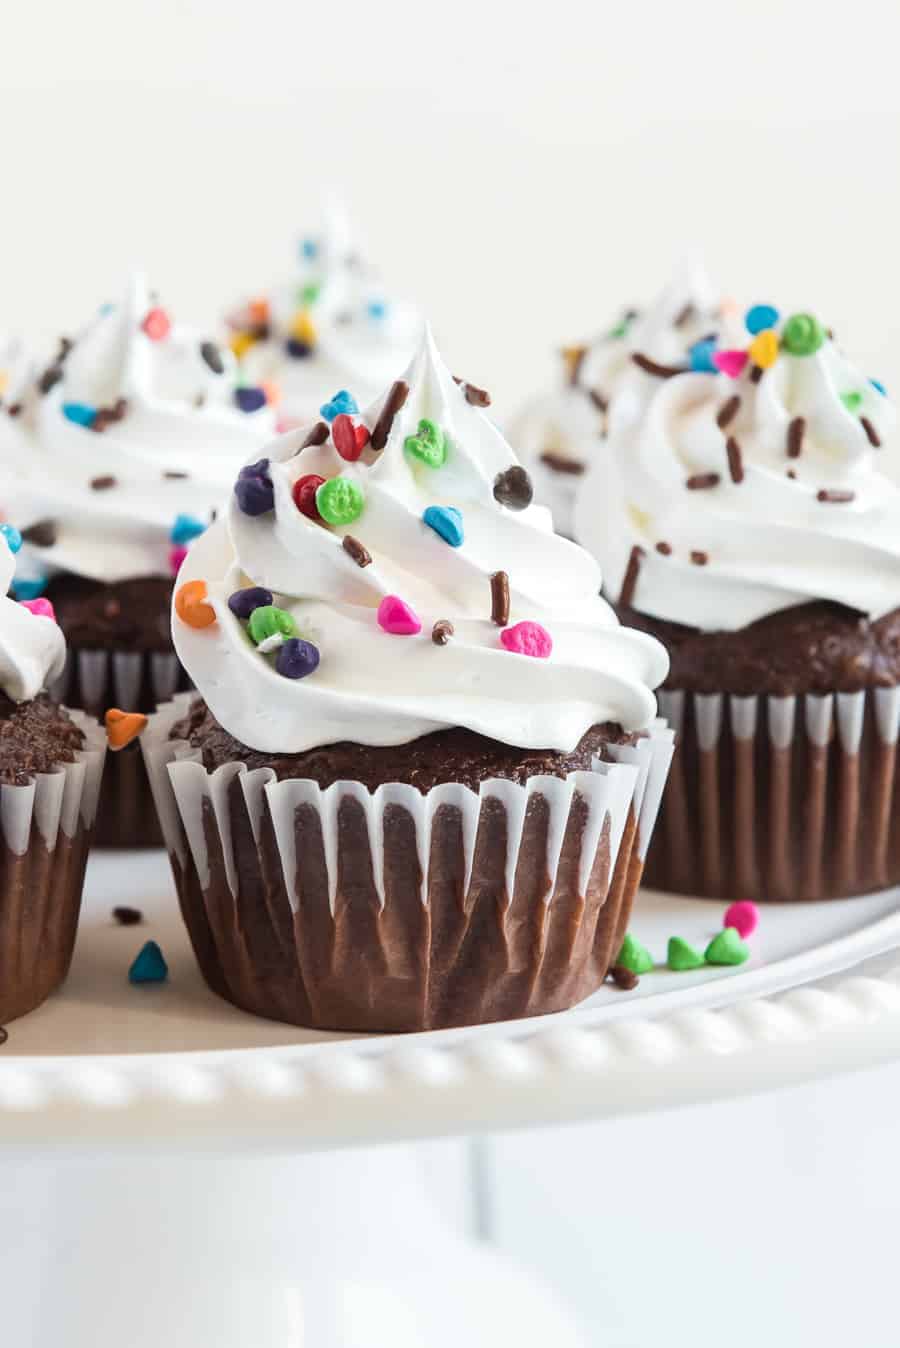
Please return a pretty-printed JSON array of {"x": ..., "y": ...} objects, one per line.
[{"x": 123, "y": 726}]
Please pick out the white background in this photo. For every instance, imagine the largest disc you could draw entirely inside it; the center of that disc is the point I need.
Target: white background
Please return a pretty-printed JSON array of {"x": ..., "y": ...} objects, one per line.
[{"x": 523, "y": 171}]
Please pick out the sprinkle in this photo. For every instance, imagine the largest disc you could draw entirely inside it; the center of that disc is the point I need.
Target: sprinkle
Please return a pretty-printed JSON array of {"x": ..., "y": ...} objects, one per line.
[
  {"x": 664, "y": 548},
  {"x": 157, "y": 325},
  {"x": 701, "y": 356},
  {"x": 49, "y": 379},
  {"x": 760, "y": 317},
  {"x": 871, "y": 433},
  {"x": 149, "y": 966},
  {"x": 397, "y": 618},
  {"x": 527, "y": 638},
  {"x": 763, "y": 350},
  {"x": 212, "y": 355},
  {"x": 176, "y": 558},
  {"x": 630, "y": 579},
  {"x": 699, "y": 558},
  {"x": 730, "y": 362},
  {"x": 269, "y": 621},
  {"x": 442, "y": 631},
  {"x": 349, "y": 440},
  {"x": 191, "y": 605},
  {"x": 304, "y": 495},
  {"x": 500, "y": 598},
  {"x": 297, "y": 658},
  {"x": 428, "y": 445},
  {"x": 339, "y": 501},
  {"x": 478, "y": 397},
  {"x": 513, "y": 488},
  {"x": 186, "y": 528},
  {"x": 795, "y": 433},
  {"x": 635, "y": 957},
  {"x": 835, "y": 497},
  {"x": 82, "y": 414},
  {"x": 684, "y": 314},
  {"x": 296, "y": 349},
  {"x": 107, "y": 416},
  {"x": 355, "y": 550},
  {"x": 574, "y": 359},
  {"x": 303, "y": 330},
  {"x": 852, "y": 401},
  {"x": 341, "y": 402},
  {"x": 447, "y": 523},
  {"x": 122, "y": 727},
  {"x": 241, "y": 342},
  {"x": 243, "y": 602},
  {"x": 728, "y": 411},
  {"x": 316, "y": 436},
  {"x": 12, "y": 536},
  {"x": 727, "y": 948},
  {"x": 310, "y": 292},
  {"x": 623, "y": 978},
  {"x": 253, "y": 490},
  {"x": 399, "y": 392},
  {"x": 600, "y": 402},
  {"x": 309, "y": 249},
  {"x": 802, "y": 335},
  {"x": 879, "y": 387},
  {"x": 701, "y": 481},
  {"x": 175, "y": 475},
  {"x": 735, "y": 459},
  {"x": 41, "y": 608},
  {"x": 15, "y": 410},
  {"x": 250, "y": 398},
  {"x": 558, "y": 463},
  {"x": 680, "y": 956},
  {"x": 103, "y": 483},
  {"x": 127, "y": 917},
  {"x": 743, "y": 916},
  {"x": 29, "y": 587},
  {"x": 655, "y": 368},
  {"x": 376, "y": 309}
]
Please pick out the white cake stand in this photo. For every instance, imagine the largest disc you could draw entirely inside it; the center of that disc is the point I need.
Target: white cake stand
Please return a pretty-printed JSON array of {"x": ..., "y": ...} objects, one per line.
[{"x": 179, "y": 1172}]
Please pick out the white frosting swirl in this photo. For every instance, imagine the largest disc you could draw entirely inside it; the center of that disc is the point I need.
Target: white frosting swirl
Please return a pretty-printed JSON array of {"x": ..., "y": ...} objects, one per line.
[
  {"x": 372, "y": 687},
  {"x": 32, "y": 647},
  {"x": 181, "y": 419},
  {"x": 769, "y": 541}
]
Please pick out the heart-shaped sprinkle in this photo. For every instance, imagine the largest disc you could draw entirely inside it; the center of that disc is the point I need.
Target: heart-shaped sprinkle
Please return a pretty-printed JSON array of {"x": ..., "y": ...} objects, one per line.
[
  {"x": 191, "y": 606},
  {"x": 680, "y": 956},
  {"x": 727, "y": 948},
  {"x": 428, "y": 445},
  {"x": 760, "y": 317},
  {"x": 157, "y": 325},
  {"x": 763, "y": 350},
  {"x": 634, "y": 956},
  {"x": 527, "y": 638},
  {"x": 447, "y": 523},
  {"x": 743, "y": 916},
  {"x": 396, "y": 617},
  {"x": 304, "y": 494},
  {"x": 730, "y": 362},
  {"x": 123, "y": 726},
  {"x": 41, "y": 608},
  {"x": 339, "y": 501},
  {"x": 341, "y": 402},
  {"x": 349, "y": 440},
  {"x": 513, "y": 488}
]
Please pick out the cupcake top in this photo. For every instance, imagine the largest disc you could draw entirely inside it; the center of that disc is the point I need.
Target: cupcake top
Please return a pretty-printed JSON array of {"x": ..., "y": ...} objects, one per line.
[
  {"x": 332, "y": 326},
  {"x": 136, "y": 431},
  {"x": 752, "y": 488},
  {"x": 384, "y": 575},
  {"x": 32, "y": 647}
]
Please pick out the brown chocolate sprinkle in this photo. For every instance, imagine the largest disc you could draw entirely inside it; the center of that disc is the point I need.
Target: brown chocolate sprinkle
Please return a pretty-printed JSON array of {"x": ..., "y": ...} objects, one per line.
[
  {"x": 653, "y": 367},
  {"x": 356, "y": 551},
  {"x": 212, "y": 356},
  {"x": 500, "y": 598},
  {"x": 175, "y": 474},
  {"x": 397, "y": 396},
  {"x": 478, "y": 397},
  {"x": 600, "y": 402},
  {"x": 106, "y": 416},
  {"x": 4, "y": 1035},
  {"x": 127, "y": 917},
  {"x": 728, "y": 411},
  {"x": 630, "y": 579},
  {"x": 700, "y": 481},
  {"x": 735, "y": 459},
  {"x": 699, "y": 558},
  {"x": 684, "y": 314},
  {"x": 103, "y": 483},
  {"x": 50, "y": 378},
  {"x": 756, "y": 373},
  {"x": 624, "y": 978},
  {"x": 14, "y": 410},
  {"x": 664, "y": 548},
  {"x": 871, "y": 433},
  {"x": 317, "y": 436},
  {"x": 835, "y": 496},
  {"x": 513, "y": 488},
  {"x": 558, "y": 463},
  {"x": 791, "y": 474},
  {"x": 442, "y": 631},
  {"x": 42, "y": 534},
  {"x": 795, "y": 433}
]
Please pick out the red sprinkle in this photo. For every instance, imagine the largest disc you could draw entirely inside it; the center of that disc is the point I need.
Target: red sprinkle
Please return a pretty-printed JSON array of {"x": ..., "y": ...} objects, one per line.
[
  {"x": 157, "y": 325},
  {"x": 304, "y": 494},
  {"x": 527, "y": 638},
  {"x": 349, "y": 440}
]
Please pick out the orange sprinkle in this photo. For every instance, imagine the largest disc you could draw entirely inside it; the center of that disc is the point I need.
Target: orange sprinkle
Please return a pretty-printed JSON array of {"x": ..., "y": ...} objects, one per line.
[
  {"x": 272, "y": 392},
  {"x": 123, "y": 726},
  {"x": 259, "y": 311},
  {"x": 190, "y": 604}
]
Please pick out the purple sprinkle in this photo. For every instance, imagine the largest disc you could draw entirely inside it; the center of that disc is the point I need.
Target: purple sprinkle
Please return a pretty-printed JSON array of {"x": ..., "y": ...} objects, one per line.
[
  {"x": 296, "y": 658},
  {"x": 258, "y": 469},
  {"x": 296, "y": 349},
  {"x": 250, "y": 399},
  {"x": 255, "y": 495},
  {"x": 243, "y": 602}
]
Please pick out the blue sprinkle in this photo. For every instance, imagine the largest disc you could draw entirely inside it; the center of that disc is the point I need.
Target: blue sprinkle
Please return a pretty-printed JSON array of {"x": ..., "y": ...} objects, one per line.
[
  {"x": 296, "y": 349},
  {"x": 185, "y": 528},
  {"x": 149, "y": 965},
  {"x": 30, "y": 587},
  {"x": 377, "y": 309},
  {"x": 701, "y": 356},
  {"x": 106, "y": 309},
  {"x": 250, "y": 399},
  {"x": 342, "y": 402},
  {"x": 81, "y": 413},
  {"x": 309, "y": 249},
  {"x": 761, "y": 317},
  {"x": 12, "y": 536},
  {"x": 876, "y": 383},
  {"x": 446, "y": 521}
]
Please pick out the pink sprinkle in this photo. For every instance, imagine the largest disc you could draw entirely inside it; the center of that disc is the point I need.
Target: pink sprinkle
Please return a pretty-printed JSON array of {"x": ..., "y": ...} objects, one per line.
[
  {"x": 527, "y": 639},
  {"x": 396, "y": 616},
  {"x": 42, "y": 608},
  {"x": 730, "y": 362},
  {"x": 743, "y": 916},
  {"x": 176, "y": 557}
]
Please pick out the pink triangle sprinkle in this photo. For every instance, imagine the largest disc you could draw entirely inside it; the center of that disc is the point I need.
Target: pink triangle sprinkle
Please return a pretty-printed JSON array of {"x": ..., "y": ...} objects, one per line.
[
  {"x": 396, "y": 616},
  {"x": 42, "y": 608},
  {"x": 730, "y": 362}
]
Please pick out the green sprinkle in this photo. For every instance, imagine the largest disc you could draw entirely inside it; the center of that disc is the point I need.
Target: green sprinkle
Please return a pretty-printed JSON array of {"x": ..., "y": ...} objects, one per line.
[
  {"x": 309, "y": 293},
  {"x": 727, "y": 948},
  {"x": 852, "y": 401},
  {"x": 428, "y": 444},
  {"x": 634, "y": 956},
  {"x": 681, "y": 956},
  {"x": 269, "y": 621},
  {"x": 339, "y": 501},
  {"x": 619, "y": 330},
  {"x": 802, "y": 335}
]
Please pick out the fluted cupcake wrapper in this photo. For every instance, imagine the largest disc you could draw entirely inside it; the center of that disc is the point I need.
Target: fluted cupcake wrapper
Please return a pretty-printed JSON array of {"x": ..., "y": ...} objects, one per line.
[
  {"x": 780, "y": 797},
  {"x": 45, "y": 832},
  {"x": 132, "y": 681},
  {"x": 392, "y": 910}
]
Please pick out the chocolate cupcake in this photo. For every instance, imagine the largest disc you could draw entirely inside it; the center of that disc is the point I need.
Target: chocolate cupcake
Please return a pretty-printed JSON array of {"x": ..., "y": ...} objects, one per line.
[
  {"x": 50, "y": 767},
  {"x": 420, "y": 786},
  {"x": 745, "y": 522},
  {"x": 133, "y": 433}
]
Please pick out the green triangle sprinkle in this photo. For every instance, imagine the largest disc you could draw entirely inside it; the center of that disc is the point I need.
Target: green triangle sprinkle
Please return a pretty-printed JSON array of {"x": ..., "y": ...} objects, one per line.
[
  {"x": 634, "y": 956},
  {"x": 681, "y": 956},
  {"x": 727, "y": 948}
]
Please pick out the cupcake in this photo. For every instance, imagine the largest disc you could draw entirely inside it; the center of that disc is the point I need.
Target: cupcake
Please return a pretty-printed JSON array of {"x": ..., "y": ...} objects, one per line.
[
  {"x": 333, "y": 325},
  {"x": 132, "y": 437},
  {"x": 558, "y": 435},
  {"x": 745, "y": 522},
  {"x": 50, "y": 766},
  {"x": 420, "y": 783}
]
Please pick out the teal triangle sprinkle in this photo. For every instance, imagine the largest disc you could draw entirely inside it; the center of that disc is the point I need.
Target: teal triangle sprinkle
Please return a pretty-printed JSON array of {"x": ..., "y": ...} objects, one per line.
[{"x": 149, "y": 965}]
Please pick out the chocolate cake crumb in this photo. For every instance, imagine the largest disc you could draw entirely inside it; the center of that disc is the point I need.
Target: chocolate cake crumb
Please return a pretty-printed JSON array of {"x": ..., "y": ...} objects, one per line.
[
  {"x": 35, "y": 736},
  {"x": 664, "y": 548},
  {"x": 698, "y": 557},
  {"x": 442, "y": 631},
  {"x": 623, "y": 978},
  {"x": 127, "y": 917}
]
